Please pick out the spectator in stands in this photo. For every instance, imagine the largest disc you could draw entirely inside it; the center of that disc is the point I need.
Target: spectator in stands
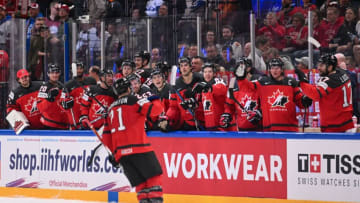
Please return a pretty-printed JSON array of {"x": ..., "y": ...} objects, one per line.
[
  {"x": 137, "y": 30},
  {"x": 35, "y": 31},
  {"x": 4, "y": 29},
  {"x": 197, "y": 63},
  {"x": 296, "y": 36},
  {"x": 112, "y": 46},
  {"x": 302, "y": 63},
  {"x": 331, "y": 25},
  {"x": 288, "y": 9},
  {"x": 228, "y": 37},
  {"x": 213, "y": 55},
  {"x": 161, "y": 35},
  {"x": 272, "y": 53},
  {"x": 344, "y": 5},
  {"x": 356, "y": 53},
  {"x": 152, "y": 7},
  {"x": 247, "y": 49},
  {"x": 155, "y": 56},
  {"x": 4, "y": 86},
  {"x": 193, "y": 50},
  {"x": 210, "y": 39},
  {"x": 38, "y": 54},
  {"x": 94, "y": 72},
  {"x": 318, "y": 28},
  {"x": 308, "y": 6},
  {"x": 262, "y": 44},
  {"x": 228, "y": 62},
  {"x": 163, "y": 10},
  {"x": 52, "y": 21},
  {"x": 183, "y": 49},
  {"x": 273, "y": 31},
  {"x": 34, "y": 12},
  {"x": 346, "y": 35}
]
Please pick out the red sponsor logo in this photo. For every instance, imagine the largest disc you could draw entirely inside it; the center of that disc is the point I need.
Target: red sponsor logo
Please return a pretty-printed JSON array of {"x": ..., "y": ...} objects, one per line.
[
  {"x": 315, "y": 163},
  {"x": 227, "y": 167}
]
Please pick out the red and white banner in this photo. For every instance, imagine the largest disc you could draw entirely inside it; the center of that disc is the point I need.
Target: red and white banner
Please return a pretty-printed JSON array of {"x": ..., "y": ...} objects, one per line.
[{"x": 223, "y": 166}]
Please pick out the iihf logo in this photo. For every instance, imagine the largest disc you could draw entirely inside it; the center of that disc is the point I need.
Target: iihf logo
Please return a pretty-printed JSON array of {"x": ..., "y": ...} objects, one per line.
[{"x": 309, "y": 163}]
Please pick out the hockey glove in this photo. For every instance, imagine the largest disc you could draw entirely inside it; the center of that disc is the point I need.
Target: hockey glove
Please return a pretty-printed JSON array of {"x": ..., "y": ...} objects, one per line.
[
  {"x": 84, "y": 120},
  {"x": 254, "y": 116},
  {"x": 113, "y": 161},
  {"x": 198, "y": 87},
  {"x": 67, "y": 103},
  {"x": 225, "y": 120},
  {"x": 240, "y": 72},
  {"x": 164, "y": 124},
  {"x": 52, "y": 93},
  {"x": 301, "y": 75},
  {"x": 189, "y": 104},
  {"x": 306, "y": 101}
]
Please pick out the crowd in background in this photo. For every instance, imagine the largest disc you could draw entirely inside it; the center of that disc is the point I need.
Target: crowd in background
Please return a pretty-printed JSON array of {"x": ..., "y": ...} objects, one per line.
[{"x": 279, "y": 34}]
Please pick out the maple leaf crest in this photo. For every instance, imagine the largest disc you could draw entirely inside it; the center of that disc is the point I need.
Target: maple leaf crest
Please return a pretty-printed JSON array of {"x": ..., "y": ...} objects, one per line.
[
  {"x": 98, "y": 109},
  {"x": 31, "y": 106},
  {"x": 278, "y": 99}
]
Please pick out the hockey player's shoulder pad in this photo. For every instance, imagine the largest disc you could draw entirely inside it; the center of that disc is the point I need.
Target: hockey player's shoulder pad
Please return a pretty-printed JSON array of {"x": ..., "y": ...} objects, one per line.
[
  {"x": 291, "y": 82},
  {"x": 337, "y": 79},
  {"x": 265, "y": 80}
]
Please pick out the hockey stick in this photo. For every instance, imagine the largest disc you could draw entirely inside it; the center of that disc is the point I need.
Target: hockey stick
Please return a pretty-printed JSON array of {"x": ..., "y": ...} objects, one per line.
[
  {"x": 71, "y": 110},
  {"x": 172, "y": 84},
  {"x": 231, "y": 93},
  {"x": 89, "y": 162},
  {"x": 98, "y": 136}
]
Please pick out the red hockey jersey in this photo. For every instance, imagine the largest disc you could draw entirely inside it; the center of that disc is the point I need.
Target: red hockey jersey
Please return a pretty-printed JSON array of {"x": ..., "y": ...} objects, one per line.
[
  {"x": 278, "y": 100},
  {"x": 213, "y": 104},
  {"x": 91, "y": 108},
  {"x": 335, "y": 101},
  {"x": 178, "y": 116},
  {"x": 124, "y": 132},
  {"x": 52, "y": 113},
  {"x": 25, "y": 100},
  {"x": 249, "y": 99},
  {"x": 76, "y": 90}
]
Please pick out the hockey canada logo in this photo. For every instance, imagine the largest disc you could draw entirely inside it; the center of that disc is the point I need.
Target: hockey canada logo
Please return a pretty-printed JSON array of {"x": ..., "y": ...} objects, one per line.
[
  {"x": 31, "y": 106},
  {"x": 99, "y": 110},
  {"x": 248, "y": 103},
  {"x": 278, "y": 99},
  {"x": 207, "y": 105}
]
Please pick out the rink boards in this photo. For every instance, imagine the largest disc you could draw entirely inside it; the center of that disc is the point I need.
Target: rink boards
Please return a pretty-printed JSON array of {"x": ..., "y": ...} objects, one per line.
[{"x": 198, "y": 167}]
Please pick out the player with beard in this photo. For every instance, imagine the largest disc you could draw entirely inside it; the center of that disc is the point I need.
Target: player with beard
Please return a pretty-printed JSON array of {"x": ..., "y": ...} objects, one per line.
[
  {"x": 24, "y": 98},
  {"x": 76, "y": 88},
  {"x": 53, "y": 115},
  {"x": 279, "y": 95},
  {"x": 141, "y": 60},
  {"x": 96, "y": 100},
  {"x": 333, "y": 91},
  {"x": 137, "y": 89},
  {"x": 213, "y": 94},
  {"x": 248, "y": 115},
  {"x": 184, "y": 110}
]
